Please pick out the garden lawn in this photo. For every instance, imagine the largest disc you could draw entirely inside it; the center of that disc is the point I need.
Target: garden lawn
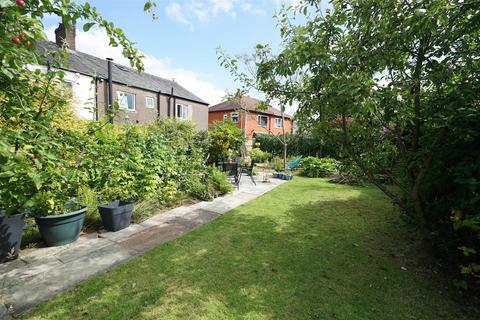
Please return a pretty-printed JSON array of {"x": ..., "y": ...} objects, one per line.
[{"x": 307, "y": 250}]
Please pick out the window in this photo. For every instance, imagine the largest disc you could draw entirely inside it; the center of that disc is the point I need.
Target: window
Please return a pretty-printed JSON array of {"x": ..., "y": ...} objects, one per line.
[
  {"x": 278, "y": 123},
  {"x": 235, "y": 117},
  {"x": 182, "y": 111},
  {"x": 126, "y": 100},
  {"x": 68, "y": 84},
  {"x": 69, "y": 87},
  {"x": 225, "y": 117},
  {"x": 262, "y": 121},
  {"x": 149, "y": 102}
]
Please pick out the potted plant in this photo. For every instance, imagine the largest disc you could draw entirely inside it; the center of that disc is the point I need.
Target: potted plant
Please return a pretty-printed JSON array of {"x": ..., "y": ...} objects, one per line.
[
  {"x": 58, "y": 214},
  {"x": 116, "y": 215},
  {"x": 61, "y": 225},
  {"x": 11, "y": 227},
  {"x": 16, "y": 187},
  {"x": 278, "y": 166}
]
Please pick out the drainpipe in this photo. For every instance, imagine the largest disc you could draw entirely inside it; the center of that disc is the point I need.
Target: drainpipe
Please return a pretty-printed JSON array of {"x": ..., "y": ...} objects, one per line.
[
  {"x": 110, "y": 90},
  {"x": 174, "y": 101},
  {"x": 159, "y": 93},
  {"x": 96, "y": 98}
]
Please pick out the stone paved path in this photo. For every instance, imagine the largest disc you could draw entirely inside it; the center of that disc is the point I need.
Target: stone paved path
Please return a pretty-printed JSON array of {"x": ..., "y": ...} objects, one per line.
[{"x": 42, "y": 273}]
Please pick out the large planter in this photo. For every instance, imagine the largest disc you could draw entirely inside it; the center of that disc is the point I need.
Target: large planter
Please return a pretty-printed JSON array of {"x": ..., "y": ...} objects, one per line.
[
  {"x": 116, "y": 215},
  {"x": 10, "y": 236},
  {"x": 61, "y": 229}
]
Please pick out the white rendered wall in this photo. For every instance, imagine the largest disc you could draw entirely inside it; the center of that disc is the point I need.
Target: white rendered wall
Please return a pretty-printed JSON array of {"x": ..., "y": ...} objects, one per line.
[
  {"x": 83, "y": 88},
  {"x": 83, "y": 94}
]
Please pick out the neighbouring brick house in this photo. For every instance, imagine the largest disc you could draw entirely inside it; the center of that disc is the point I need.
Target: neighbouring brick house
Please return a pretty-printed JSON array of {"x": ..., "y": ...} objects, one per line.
[
  {"x": 142, "y": 97},
  {"x": 252, "y": 121}
]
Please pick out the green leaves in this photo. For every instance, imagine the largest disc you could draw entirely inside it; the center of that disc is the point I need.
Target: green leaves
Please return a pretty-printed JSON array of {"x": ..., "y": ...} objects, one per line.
[
  {"x": 6, "y": 3},
  {"x": 88, "y": 26}
]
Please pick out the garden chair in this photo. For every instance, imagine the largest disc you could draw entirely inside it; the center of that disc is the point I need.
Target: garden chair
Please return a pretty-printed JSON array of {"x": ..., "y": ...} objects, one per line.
[
  {"x": 294, "y": 163},
  {"x": 249, "y": 171},
  {"x": 232, "y": 169}
]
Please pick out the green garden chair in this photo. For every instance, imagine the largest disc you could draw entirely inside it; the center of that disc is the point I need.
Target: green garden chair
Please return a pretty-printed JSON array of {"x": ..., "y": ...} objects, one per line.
[{"x": 294, "y": 163}]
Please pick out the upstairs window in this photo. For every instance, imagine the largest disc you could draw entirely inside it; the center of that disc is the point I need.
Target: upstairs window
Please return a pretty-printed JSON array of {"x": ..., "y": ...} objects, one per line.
[
  {"x": 182, "y": 111},
  {"x": 278, "y": 123},
  {"x": 149, "y": 102},
  {"x": 263, "y": 121},
  {"x": 126, "y": 100}
]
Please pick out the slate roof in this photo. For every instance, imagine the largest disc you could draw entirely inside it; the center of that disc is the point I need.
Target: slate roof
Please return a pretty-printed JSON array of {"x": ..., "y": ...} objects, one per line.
[
  {"x": 90, "y": 65},
  {"x": 248, "y": 103}
]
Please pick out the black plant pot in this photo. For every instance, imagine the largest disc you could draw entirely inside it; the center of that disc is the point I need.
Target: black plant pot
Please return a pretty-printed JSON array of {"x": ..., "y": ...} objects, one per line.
[
  {"x": 116, "y": 215},
  {"x": 10, "y": 236}
]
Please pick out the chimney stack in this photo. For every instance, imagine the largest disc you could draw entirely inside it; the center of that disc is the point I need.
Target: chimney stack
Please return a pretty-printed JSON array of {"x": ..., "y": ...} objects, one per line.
[{"x": 62, "y": 36}]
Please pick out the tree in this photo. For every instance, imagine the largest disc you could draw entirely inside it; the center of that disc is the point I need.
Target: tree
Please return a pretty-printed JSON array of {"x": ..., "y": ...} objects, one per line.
[
  {"x": 30, "y": 101},
  {"x": 399, "y": 81}
]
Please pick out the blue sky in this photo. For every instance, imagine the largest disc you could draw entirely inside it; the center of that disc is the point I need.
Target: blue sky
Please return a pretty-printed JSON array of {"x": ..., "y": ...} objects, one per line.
[{"x": 182, "y": 43}]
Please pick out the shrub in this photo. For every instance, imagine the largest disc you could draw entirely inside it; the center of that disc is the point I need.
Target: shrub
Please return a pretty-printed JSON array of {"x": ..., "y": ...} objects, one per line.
[
  {"x": 300, "y": 144},
  {"x": 219, "y": 180},
  {"x": 313, "y": 167},
  {"x": 258, "y": 156},
  {"x": 225, "y": 141}
]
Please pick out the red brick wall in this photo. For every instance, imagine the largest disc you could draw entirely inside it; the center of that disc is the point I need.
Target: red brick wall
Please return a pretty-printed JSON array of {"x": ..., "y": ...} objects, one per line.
[{"x": 251, "y": 123}]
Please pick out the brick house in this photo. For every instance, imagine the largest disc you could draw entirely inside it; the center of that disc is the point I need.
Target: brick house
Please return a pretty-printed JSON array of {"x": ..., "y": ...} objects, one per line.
[
  {"x": 141, "y": 97},
  {"x": 252, "y": 121}
]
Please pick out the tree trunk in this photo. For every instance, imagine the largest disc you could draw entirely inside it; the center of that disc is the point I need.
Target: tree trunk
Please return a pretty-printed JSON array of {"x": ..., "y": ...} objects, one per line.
[
  {"x": 284, "y": 143},
  {"x": 364, "y": 169}
]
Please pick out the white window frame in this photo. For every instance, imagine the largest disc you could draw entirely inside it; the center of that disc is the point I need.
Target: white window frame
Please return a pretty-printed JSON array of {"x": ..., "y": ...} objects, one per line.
[
  {"x": 278, "y": 123},
  {"x": 259, "y": 123},
  {"x": 184, "y": 110},
  {"x": 237, "y": 115},
  {"x": 147, "y": 99},
  {"x": 123, "y": 100}
]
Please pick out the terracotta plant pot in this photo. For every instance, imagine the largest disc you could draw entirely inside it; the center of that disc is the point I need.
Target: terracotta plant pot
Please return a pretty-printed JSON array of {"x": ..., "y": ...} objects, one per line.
[
  {"x": 61, "y": 229},
  {"x": 10, "y": 236}
]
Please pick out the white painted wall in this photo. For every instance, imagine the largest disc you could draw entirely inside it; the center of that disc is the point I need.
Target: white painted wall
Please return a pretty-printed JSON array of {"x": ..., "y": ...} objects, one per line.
[{"x": 83, "y": 92}]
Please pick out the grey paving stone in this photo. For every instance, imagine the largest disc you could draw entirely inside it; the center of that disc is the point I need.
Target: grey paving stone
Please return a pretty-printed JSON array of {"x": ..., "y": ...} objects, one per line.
[
  {"x": 29, "y": 293},
  {"x": 12, "y": 265},
  {"x": 122, "y": 234},
  {"x": 3, "y": 312},
  {"x": 33, "y": 269},
  {"x": 84, "y": 249},
  {"x": 196, "y": 218},
  {"x": 153, "y": 236}
]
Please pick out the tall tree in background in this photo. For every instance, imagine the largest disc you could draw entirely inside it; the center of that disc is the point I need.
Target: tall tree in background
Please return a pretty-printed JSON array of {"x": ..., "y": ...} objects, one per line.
[{"x": 400, "y": 79}]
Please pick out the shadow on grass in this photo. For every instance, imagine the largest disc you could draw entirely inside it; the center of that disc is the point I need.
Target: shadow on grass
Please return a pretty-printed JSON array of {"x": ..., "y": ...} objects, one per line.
[{"x": 281, "y": 256}]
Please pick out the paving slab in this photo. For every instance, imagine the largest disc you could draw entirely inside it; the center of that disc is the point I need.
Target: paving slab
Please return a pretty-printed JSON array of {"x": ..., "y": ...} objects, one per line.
[
  {"x": 61, "y": 278},
  {"x": 153, "y": 236},
  {"x": 122, "y": 234},
  {"x": 40, "y": 274}
]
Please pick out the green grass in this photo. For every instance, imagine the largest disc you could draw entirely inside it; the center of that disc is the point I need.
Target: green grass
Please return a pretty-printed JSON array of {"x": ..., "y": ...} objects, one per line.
[{"x": 307, "y": 250}]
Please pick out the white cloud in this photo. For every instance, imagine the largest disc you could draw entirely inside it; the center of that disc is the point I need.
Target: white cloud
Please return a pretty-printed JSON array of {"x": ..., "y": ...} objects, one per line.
[
  {"x": 188, "y": 11},
  {"x": 176, "y": 12},
  {"x": 247, "y": 7},
  {"x": 293, "y": 3},
  {"x": 95, "y": 42}
]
